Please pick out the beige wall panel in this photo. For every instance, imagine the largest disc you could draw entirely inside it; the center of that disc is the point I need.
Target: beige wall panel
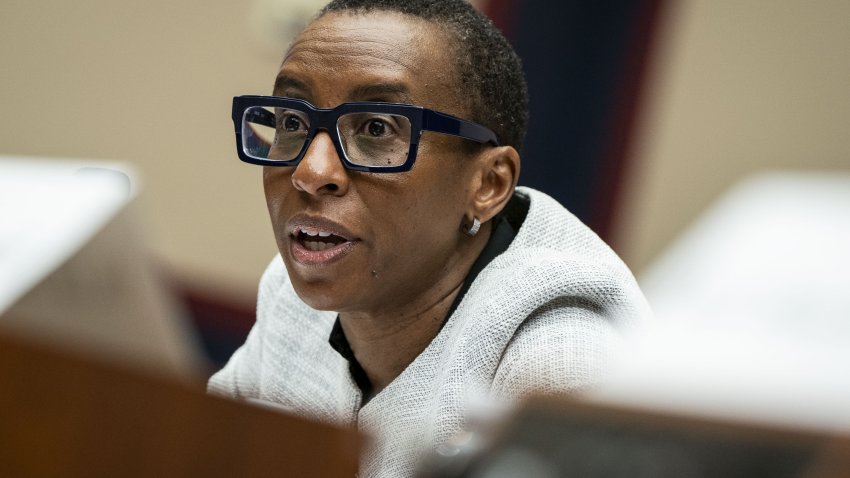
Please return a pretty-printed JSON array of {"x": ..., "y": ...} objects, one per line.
[
  {"x": 149, "y": 82},
  {"x": 737, "y": 86}
]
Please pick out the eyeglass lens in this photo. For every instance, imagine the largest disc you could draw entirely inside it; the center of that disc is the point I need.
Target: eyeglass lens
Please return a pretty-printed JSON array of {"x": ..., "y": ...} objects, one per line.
[{"x": 368, "y": 139}]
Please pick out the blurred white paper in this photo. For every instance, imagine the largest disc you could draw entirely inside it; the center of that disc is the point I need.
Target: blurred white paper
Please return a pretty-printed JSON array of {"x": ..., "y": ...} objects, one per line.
[
  {"x": 74, "y": 271},
  {"x": 47, "y": 213},
  {"x": 753, "y": 309}
]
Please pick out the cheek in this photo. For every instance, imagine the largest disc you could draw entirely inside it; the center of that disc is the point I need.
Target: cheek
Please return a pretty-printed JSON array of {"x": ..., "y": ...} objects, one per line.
[
  {"x": 276, "y": 186},
  {"x": 278, "y": 190},
  {"x": 418, "y": 220}
]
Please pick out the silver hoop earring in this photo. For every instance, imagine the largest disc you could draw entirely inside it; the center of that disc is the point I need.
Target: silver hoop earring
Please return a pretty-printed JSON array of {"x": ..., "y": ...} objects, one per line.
[{"x": 472, "y": 230}]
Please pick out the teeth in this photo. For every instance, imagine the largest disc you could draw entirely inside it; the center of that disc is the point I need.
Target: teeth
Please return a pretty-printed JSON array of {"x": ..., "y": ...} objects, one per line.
[
  {"x": 318, "y": 245},
  {"x": 315, "y": 232}
]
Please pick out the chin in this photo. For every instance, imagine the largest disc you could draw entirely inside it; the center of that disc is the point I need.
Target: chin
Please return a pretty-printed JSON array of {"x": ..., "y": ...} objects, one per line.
[
  {"x": 318, "y": 294},
  {"x": 319, "y": 301},
  {"x": 322, "y": 287}
]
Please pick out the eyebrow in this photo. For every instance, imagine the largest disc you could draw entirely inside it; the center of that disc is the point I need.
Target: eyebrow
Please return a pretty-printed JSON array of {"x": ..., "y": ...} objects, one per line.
[
  {"x": 391, "y": 92},
  {"x": 396, "y": 92},
  {"x": 284, "y": 82}
]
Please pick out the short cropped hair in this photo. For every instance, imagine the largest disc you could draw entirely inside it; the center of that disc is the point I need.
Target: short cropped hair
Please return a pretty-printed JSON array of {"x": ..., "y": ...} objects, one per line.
[{"x": 489, "y": 69}]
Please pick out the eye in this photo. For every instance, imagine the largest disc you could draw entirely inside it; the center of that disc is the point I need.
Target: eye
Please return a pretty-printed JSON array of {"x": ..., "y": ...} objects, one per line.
[
  {"x": 291, "y": 123},
  {"x": 376, "y": 127}
]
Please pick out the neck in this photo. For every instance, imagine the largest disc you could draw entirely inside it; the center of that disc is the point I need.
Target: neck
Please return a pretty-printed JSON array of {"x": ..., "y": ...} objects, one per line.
[{"x": 386, "y": 343}]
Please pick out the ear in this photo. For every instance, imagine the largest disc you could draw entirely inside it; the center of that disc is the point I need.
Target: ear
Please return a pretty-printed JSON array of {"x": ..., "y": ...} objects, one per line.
[{"x": 496, "y": 178}]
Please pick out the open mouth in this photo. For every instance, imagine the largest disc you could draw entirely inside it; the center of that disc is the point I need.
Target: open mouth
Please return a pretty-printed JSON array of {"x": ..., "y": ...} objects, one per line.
[{"x": 316, "y": 239}]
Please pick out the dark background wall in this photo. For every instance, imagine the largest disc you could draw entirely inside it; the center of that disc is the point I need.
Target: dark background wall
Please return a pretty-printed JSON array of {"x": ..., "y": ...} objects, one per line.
[{"x": 584, "y": 62}]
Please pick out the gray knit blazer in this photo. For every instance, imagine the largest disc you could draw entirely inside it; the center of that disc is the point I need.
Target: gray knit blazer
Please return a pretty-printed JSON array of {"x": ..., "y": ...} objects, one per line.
[{"x": 544, "y": 317}]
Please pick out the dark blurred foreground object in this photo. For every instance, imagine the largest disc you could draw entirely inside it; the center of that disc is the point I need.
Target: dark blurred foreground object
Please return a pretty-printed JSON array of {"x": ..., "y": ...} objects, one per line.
[
  {"x": 100, "y": 373},
  {"x": 552, "y": 438},
  {"x": 66, "y": 415}
]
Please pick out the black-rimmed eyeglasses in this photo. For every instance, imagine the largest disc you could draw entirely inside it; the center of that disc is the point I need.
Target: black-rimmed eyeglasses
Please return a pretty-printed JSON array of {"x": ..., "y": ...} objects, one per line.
[{"x": 368, "y": 136}]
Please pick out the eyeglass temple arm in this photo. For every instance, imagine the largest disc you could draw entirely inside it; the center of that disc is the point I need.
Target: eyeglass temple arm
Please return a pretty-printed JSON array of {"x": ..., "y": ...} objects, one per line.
[
  {"x": 447, "y": 124},
  {"x": 260, "y": 116},
  {"x": 250, "y": 139}
]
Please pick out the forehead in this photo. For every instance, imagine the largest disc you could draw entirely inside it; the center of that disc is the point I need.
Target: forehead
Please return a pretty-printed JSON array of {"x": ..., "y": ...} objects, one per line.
[{"x": 345, "y": 56}]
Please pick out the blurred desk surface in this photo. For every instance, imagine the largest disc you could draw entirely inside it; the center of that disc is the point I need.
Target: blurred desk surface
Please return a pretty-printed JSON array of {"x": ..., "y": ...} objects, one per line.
[{"x": 70, "y": 416}]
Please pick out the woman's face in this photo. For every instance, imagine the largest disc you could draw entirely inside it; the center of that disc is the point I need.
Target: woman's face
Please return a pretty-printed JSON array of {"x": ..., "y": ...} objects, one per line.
[{"x": 394, "y": 235}]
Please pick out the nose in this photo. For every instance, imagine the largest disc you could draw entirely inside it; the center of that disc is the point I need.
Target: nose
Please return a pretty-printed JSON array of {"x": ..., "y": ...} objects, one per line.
[{"x": 320, "y": 170}]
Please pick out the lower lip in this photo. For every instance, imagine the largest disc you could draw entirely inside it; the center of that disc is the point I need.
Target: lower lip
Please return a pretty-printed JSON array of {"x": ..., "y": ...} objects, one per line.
[{"x": 316, "y": 258}]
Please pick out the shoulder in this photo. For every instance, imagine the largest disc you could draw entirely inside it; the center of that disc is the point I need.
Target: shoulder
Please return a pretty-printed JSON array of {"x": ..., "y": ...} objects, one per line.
[
  {"x": 274, "y": 283},
  {"x": 562, "y": 298},
  {"x": 563, "y": 347},
  {"x": 555, "y": 260},
  {"x": 553, "y": 232},
  {"x": 288, "y": 338},
  {"x": 241, "y": 376}
]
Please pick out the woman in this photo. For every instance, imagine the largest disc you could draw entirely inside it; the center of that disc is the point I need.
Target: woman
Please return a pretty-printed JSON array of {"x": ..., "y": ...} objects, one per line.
[{"x": 413, "y": 274}]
